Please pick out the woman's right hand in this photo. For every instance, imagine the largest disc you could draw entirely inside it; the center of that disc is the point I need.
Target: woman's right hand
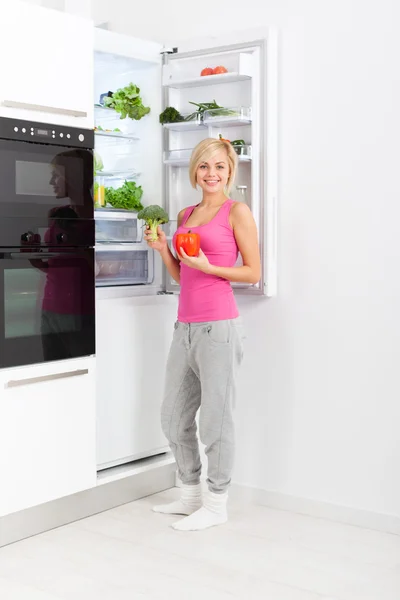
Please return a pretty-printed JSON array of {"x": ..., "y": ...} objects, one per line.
[{"x": 160, "y": 244}]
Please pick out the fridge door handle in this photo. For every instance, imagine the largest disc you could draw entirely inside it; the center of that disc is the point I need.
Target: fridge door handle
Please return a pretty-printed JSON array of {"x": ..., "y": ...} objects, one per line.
[
  {"x": 32, "y": 380},
  {"x": 42, "y": 108}
]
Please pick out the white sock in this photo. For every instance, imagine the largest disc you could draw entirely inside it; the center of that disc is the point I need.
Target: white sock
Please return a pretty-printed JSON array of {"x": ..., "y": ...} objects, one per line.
[
  {"x": 188, "y": 503},
  {"x": 213, "y": 512}
]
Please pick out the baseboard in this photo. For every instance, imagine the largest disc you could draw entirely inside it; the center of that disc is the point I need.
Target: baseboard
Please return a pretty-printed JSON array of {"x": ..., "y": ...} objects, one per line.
[
  {"x": 115, "y": 488},
  {"x": 317, "y": 509},
  {"x": 313, "y": 508}
]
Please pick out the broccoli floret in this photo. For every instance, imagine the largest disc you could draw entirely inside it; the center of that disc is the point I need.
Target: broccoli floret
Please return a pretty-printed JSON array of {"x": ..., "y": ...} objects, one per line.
[{"x": 153, "y": 216}]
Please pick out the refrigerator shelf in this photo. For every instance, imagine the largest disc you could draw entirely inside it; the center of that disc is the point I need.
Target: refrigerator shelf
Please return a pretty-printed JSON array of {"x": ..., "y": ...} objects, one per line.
[
  {"x": 114, "y": 229},
  {"x": 181, "y": 158},
  {"x": 187, "y": 73},
  {"x": 115, "y": 137},
  {"x": 237, "y": 116},
  {"x": 177, "y": 158},
  {"x": 244, "y": 153},
  {"x": 115, "y": 214},
  {"x": 129, "y": 174},
  {"x": 104, "y": 113},
  {"x": 180, "y": 84},
  {"x": 191, "y": 125}
]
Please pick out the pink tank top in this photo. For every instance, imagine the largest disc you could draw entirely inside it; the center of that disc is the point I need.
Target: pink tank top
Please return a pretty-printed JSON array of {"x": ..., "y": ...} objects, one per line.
[{"x": 205, "y": 297}]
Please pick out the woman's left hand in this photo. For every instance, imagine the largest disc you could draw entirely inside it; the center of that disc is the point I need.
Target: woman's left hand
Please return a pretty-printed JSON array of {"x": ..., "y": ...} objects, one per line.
[{"x": 200, "y": 262}]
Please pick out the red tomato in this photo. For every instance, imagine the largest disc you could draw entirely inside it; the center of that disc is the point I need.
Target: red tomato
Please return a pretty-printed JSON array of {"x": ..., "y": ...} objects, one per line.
[
  {"x": 207, "y": 71},
  {"x": 189, "y": 241},
  {"x": 219, "y": 70}
]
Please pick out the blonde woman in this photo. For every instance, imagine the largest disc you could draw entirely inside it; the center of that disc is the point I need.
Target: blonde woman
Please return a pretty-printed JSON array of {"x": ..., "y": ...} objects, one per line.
[{"x": 207, "y": 350}]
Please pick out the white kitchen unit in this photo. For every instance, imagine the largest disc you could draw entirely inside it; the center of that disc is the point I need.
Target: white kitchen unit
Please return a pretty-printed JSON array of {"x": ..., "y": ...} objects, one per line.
[
  {"x": 47, "y": 432},
  {"x": 135, "y": 322},
  {"x": 133, "y": 339},
  {"x": 47, "y": 65}
]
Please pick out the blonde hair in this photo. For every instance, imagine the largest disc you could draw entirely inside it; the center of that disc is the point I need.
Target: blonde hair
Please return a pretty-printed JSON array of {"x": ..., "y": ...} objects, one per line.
[{"x": 205, "y": 150}]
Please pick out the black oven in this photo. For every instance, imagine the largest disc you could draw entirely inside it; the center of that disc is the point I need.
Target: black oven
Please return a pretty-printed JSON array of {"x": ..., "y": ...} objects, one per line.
[{"x": 47, "y": 278}]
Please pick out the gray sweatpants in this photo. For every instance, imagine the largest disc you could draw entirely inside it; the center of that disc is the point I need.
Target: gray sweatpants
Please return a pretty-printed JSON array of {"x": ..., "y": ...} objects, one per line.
[{"x": 201, "y": 371}]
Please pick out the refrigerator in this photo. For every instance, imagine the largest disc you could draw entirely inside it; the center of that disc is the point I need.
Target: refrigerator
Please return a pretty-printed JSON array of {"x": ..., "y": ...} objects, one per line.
[{"x": 217, "y": 87}]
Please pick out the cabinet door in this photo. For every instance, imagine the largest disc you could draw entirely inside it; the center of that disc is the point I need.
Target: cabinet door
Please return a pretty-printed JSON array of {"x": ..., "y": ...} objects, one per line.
[
  {"x": 133, "y": 339},
  {"x": 48, "y": 75},
  {"x": 47, "y": 433}
]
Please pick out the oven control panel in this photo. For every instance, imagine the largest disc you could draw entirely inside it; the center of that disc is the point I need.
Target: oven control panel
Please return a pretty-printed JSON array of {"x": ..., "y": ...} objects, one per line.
[{"x": 45, "y": 133}]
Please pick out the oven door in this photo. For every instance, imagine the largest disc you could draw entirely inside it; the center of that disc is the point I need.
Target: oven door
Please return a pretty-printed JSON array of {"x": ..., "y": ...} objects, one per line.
[
  {"x": 37, "y": 179},
  {"x": 47, "y": 305}
]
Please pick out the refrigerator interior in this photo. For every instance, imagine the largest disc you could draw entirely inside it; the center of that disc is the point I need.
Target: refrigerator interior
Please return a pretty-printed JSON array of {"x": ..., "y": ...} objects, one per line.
[{"x": 130, "y": 151}]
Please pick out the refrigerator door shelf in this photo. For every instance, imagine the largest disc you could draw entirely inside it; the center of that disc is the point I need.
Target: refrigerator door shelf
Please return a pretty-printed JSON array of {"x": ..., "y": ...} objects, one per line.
[
  {"x": 239, "y": 66},
  {"x": 177, "y": 158},
  {"x": 228, "y": 117},
  {"x": 244, "y": 152},
  {"x": 181, "y": 158},
  {"x": 190, "y": 125},
  {"x": 210, "y": 80}
]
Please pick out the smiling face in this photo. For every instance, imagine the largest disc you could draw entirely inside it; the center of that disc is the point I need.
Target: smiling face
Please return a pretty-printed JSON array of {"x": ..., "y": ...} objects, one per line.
[{"x": 212, "y": 175}]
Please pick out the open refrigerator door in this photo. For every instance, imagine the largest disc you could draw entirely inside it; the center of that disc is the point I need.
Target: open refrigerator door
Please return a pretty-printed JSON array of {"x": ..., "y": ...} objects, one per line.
[{"x": 225, "y": 90}]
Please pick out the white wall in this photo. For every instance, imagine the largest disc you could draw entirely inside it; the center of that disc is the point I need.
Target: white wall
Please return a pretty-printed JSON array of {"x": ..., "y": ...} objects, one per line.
[{"x": 319, "y": 412}]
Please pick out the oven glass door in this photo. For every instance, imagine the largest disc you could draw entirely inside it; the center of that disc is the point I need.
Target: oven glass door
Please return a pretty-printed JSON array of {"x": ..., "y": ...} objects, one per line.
[
  {"x": 36, "y": 179},
  {"x": 47, "y": 306}
]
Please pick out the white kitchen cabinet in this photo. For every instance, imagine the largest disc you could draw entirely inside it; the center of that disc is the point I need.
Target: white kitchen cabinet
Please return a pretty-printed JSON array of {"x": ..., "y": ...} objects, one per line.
[
  {"x": 47, "y": 65},
  {"x": 133, "y": 339},
  {"x": 47, "y": 432}
]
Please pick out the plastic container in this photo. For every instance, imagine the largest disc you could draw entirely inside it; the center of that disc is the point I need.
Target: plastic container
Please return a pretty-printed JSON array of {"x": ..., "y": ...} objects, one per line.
[
  {"x": 240, "y": 193},
  {"x": 177, "y": 157},
  {"x": 244, "y": 152},
  {"x": 117, "y": 227},
  {"x": 239, "y": 115}
]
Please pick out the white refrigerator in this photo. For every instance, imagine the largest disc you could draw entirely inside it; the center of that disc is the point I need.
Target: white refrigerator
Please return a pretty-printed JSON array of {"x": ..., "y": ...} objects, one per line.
[{"x": 235, "y": 98}]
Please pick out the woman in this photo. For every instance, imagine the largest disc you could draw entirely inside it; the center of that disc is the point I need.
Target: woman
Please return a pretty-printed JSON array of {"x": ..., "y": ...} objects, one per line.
[{"x": 207, "y": 350}]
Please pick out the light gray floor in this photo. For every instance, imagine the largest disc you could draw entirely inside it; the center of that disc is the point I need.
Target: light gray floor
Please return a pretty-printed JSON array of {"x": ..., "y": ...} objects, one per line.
[{"x": 131, "y": 553}]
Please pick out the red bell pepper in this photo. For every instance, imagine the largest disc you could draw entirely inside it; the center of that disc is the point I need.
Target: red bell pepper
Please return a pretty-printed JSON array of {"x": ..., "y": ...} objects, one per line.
[{"x": 189, "y": 241}]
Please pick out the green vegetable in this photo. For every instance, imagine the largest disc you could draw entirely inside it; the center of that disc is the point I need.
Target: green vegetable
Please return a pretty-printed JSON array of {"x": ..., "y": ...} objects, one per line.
[
  {"x": 127, "y": 102},
  {"x": 238, "y": 143},
  {"x": 171, "y": 115},
  {"x": 126, "y": 197},
  {"x": 203, "y": 106},
  {"x": 153, "y": 216},
  {"x": 97, "y": 162}
]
